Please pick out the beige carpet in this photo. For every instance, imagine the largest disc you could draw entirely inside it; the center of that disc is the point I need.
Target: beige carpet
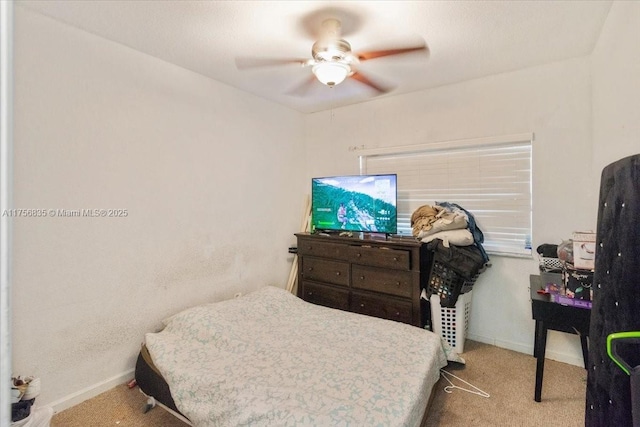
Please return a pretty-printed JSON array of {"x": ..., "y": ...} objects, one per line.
[
  {"x": 118, "y": 407},
  {"x": 507, "y": 376}
]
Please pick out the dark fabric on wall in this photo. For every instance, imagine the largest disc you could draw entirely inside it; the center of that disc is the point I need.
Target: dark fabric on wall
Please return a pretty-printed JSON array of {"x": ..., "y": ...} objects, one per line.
[{"x": 616, "y": 291}]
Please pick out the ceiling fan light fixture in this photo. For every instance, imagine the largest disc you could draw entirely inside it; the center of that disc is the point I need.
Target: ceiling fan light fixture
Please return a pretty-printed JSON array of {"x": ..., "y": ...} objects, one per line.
[{"x": 331, "y": 73}]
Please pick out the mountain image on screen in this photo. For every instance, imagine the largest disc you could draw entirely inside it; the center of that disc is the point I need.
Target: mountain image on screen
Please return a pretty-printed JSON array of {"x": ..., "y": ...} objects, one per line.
[{"x": 355, "y": 203}]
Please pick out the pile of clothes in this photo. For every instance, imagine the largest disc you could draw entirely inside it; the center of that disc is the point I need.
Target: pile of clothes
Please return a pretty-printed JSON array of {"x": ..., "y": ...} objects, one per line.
[{"x": 452, "y": 233}]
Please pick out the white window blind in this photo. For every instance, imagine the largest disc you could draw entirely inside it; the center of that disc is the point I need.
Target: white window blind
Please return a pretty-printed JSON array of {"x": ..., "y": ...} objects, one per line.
[{"x": 489, "y": 177}]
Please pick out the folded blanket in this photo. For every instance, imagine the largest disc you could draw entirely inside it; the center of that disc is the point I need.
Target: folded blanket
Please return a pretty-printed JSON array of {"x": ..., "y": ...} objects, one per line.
[
  {"x": 424, "y": 217},
  {"x": 429, "y": 219}
]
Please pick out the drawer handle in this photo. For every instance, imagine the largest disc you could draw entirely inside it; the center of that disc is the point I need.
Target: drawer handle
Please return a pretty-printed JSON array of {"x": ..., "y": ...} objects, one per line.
[
  {"x": 358, "y": 255},
  {"x": 397, "y": 314},
  {"x": 310, "y": 269},
  {"x": 361, "y": 277},
  {"x": 310, "y": 293},
  {"x": 309, "y": 248},
  {"x": 362, "y": 305},
  {"x": 398, "y": 284},
  {"x": 395, "y": 258},
  {"x": 337, "y": 273}
]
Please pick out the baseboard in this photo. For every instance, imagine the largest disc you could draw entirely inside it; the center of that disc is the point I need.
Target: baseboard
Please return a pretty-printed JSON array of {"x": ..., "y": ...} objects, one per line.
[
  {"x": 91, "y": 391},
  {"x": 570, "y": 359}
]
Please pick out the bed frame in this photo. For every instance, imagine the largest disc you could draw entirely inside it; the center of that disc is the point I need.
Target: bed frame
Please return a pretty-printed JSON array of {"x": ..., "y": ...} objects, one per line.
[{"x": 153, "y": 386}]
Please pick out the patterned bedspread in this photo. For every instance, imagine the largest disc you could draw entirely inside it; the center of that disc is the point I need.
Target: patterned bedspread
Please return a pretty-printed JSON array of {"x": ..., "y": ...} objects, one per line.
[{"x": 269, "y": 358}]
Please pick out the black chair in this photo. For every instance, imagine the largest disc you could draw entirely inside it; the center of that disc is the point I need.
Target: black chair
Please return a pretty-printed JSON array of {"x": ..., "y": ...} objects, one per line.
[{"x": 616, "y": 289}]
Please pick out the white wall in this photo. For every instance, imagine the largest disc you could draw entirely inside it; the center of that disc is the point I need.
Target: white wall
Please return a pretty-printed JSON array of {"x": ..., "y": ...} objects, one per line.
[
  {"x": 210, "y": 177},
  {"x": 552, "y": 101},
  {"x": 616, "y": 86}
]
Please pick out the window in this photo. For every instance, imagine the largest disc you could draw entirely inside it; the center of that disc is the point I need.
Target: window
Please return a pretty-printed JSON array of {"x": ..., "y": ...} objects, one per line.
[{"x": 489, "y": 177}]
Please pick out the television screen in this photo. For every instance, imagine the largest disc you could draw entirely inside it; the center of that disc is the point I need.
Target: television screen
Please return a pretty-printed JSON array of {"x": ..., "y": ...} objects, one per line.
[{"x": 355, "y": 203}]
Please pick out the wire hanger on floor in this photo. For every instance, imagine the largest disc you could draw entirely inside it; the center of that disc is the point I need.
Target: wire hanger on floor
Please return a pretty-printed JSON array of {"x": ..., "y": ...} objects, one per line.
[{"x": 451, "y": 386}]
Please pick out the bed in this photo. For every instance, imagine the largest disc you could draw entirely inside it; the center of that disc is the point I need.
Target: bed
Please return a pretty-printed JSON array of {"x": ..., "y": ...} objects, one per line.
[{"x": 270, "y": 358}]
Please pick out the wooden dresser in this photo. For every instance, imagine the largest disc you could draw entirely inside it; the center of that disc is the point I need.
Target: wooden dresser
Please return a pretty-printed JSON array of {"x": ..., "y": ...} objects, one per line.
[{"x": 377, "y": 277}]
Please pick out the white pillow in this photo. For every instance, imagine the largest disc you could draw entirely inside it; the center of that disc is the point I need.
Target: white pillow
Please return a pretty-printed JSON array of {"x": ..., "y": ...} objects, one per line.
[{"x": 460, "y": 237}]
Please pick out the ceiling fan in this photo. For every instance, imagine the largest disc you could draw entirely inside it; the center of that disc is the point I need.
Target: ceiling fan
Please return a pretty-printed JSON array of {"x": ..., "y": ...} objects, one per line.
[{"x": 332, "y": 60}]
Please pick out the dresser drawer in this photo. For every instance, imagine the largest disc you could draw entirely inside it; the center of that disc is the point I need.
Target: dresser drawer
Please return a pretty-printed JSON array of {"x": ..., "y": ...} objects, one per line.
[
  {"x": 325, "y": 295},
  {"x": 383, "y": 307},
  {"x": 381, "y": 257},
  {"x": 323, "y": 249},
  {"x": 324, "y": 270},
  {"x": 394, "y": 282}
]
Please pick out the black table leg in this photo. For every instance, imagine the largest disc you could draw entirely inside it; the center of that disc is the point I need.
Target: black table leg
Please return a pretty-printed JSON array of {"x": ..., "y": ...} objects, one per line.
[
  {"x": 585, "y": 350},
  {"x": 541, "y": 344},
  {"x": 536, "y": 338}
]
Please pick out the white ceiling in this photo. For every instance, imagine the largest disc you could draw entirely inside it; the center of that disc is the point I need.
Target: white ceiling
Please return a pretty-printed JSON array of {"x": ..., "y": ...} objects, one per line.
[{"x": 465, "y": 39}]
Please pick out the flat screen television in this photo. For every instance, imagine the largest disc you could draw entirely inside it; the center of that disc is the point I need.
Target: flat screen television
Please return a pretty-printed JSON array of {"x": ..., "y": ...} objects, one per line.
[{"x": 362, "y": 203}]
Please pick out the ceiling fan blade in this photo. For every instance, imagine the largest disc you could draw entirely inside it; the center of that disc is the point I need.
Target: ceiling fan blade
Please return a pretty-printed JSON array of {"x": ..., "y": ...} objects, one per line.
[
  {"x": 381, "y": 88},
  {"x": 372, "y": 54},
  {"x": 303, "y": 87},
  {"x": 252, "y": 62}
]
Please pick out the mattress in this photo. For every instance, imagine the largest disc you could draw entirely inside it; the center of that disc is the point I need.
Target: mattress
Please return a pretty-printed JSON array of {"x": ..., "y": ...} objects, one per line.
[{"x": 269, "y": 358}]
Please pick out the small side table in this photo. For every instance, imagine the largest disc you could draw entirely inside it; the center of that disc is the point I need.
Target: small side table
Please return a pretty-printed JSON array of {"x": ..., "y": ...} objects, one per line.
[{"x": 557, "y": 317}]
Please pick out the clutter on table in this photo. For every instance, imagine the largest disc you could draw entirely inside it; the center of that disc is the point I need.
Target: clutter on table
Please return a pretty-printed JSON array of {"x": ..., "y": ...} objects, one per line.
[{"x": 566, "y": 269}]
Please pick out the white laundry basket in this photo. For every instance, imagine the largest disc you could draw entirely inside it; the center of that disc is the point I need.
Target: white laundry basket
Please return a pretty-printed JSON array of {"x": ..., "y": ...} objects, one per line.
[{"x": 452, "y": 324}]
